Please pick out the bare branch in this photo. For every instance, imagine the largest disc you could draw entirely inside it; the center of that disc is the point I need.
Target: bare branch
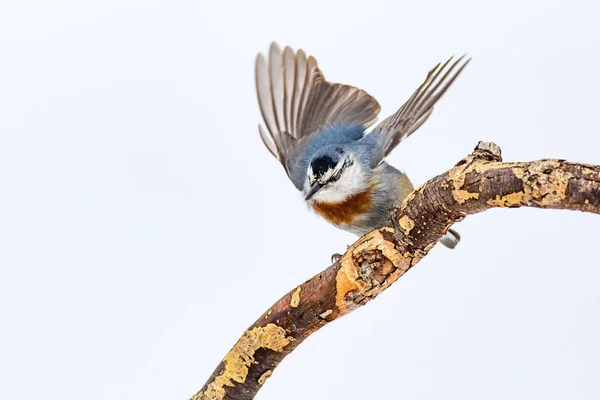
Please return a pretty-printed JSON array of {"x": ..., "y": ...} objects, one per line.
[{"x": 478, "y": 182}]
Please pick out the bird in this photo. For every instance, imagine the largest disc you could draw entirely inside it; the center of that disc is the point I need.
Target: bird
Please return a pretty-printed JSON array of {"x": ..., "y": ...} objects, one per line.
[{"x": 317, "y": 130}]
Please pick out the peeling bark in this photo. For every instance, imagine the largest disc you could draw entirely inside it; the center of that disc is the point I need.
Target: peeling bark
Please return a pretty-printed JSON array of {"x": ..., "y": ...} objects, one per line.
[{"x": 478, "y": 182}]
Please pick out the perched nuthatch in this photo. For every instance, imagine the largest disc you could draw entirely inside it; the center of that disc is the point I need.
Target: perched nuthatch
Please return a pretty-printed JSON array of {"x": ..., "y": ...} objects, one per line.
[{"x": 317, "y": 131}]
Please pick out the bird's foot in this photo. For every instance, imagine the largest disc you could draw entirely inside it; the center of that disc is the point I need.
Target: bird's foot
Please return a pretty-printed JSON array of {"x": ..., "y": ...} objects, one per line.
[{"x": 336, "y": 257}]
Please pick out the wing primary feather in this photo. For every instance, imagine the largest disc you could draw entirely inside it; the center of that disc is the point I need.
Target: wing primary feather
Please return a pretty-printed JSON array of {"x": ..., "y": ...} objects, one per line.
[
  {"x": 350, "y": 97},
  {"x": 417, "y": 94},
  {"x": 276, "y": 85},
  {"x": 299, "y": 79},
  {"x": 436, "y": 96},
  {"x": 366, "y": 107},
  {"x": 268, "y": 142},
  {"x": 432, "y": 91},
  {"x": 263, "y": 93},
  {"x": 311, "y": 64},
  {"x": 319, "y": 105},
  {"x": 288, "y": 88},
  {"x": 431, "y": 77}
]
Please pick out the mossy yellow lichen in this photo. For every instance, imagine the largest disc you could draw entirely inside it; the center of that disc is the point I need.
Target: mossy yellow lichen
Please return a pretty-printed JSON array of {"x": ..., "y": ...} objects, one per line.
[
  {"x": 263, "y": 378},
  {"x": 510, "y": 200},
  {"x": 554, "y": 190},
  {"x": 241, "y": 356},
  {"x": 519, "y": 172},
  {"x": 460, "y": 196},
  {"x": 406, "y": 223},
  {"x": 296, "y": 298},
  {"x": 457, "y": 176},
  {"x": 588, "y": 171}
]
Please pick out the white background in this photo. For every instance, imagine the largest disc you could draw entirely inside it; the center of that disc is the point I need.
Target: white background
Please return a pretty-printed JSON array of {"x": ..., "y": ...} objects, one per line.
[{"x": 143, "y": 225}]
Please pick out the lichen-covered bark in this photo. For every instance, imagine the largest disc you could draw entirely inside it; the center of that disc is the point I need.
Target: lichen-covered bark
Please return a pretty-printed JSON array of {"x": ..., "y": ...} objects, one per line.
[{"x": 477, "y": 183}]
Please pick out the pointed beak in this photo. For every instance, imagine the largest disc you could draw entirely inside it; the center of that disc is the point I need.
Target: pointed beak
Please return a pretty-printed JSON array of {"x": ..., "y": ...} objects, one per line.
[{"x": 313, "y": 190}]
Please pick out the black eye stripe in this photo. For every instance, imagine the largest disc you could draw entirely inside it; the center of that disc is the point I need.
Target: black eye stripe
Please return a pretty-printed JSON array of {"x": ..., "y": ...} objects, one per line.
[
  {"x": 321, "y": 165},
  {"x": 324, "y": 165}
]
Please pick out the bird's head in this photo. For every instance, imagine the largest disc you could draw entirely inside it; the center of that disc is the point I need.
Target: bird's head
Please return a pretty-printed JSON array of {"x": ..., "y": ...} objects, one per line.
[{"x": 333, "y": 175}]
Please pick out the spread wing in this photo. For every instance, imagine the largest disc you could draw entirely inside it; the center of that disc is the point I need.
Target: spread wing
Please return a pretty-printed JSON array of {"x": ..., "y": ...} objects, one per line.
[
  {"x": 417, "y": 109},
  {"x": 296, "y": 101}
]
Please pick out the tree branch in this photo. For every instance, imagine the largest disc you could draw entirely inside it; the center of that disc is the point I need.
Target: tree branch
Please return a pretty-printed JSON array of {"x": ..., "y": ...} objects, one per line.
[{"x": 477, "y": 183}]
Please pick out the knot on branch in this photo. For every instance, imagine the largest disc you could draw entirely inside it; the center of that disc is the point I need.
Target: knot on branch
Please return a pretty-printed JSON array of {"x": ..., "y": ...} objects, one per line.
[
  {"x": 368, "y": 268},
  {"x": 489, "y": 151}
]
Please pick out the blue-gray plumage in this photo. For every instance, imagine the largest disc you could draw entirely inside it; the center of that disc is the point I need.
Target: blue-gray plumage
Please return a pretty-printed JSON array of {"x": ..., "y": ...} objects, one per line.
[{"x": 317, "y": 130}]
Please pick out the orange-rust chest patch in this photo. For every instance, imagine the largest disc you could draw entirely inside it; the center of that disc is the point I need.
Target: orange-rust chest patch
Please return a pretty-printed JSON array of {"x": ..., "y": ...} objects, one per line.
[{"x": 345, "y": 212}]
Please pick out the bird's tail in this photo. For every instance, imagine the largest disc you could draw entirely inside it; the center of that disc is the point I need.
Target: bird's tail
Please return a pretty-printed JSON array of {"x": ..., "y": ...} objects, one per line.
[{"x": 450, "y": 239}]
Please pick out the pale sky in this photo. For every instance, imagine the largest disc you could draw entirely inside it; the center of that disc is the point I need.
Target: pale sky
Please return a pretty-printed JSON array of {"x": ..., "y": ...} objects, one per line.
[{"x": 144, "y": 226}]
